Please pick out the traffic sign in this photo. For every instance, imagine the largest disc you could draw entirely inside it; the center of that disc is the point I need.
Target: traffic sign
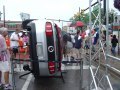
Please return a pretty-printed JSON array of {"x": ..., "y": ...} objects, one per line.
[{"x": 24, "y": 16}]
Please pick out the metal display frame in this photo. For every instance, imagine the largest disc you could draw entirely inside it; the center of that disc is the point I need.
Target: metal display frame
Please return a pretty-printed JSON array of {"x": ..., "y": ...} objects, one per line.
[{"x": 94, "y": 79}]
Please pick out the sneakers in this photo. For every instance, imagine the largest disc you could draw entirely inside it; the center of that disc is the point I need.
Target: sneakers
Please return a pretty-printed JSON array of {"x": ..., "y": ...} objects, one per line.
[
  {"x": 1, "y": 85},
  {"x": 7, "y": 87}
]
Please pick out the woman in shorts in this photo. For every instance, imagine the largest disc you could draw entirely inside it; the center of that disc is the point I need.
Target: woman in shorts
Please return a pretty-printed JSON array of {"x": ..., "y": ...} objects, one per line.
[{"x": 4, "y": 60}]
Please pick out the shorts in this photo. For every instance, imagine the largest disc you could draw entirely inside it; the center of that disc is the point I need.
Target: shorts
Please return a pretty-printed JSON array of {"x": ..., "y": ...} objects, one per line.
[
  {"x": 69, "y": 50},
  {"x": 15, "y": 50},
  {"x": 79, "y": 52},
  {"x": 4, "y": 66}
]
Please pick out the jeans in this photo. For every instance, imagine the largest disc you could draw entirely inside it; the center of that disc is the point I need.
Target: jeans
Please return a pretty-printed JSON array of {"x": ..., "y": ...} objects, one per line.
[{"x": 113, "y": 50}]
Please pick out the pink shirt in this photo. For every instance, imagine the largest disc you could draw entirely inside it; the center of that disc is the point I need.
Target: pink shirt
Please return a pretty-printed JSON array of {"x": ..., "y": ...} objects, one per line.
[
  {"x": 25, "y": 39},
  {"x": 4, "y": 53}
]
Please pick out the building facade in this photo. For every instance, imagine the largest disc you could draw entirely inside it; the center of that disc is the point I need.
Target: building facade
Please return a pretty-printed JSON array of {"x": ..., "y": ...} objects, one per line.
[
  {"x": 116, "y": 23},
  {"x": 70, "y": 30},
  {"x": 11, "y": 25}
]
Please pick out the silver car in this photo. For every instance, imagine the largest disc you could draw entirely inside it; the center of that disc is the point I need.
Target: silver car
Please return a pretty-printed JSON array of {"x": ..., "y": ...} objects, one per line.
[{"x": 45, "y": 47}]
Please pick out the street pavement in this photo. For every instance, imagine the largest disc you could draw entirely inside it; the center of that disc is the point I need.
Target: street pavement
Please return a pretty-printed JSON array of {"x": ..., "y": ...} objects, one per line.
[{"x": 71, "y": 75}]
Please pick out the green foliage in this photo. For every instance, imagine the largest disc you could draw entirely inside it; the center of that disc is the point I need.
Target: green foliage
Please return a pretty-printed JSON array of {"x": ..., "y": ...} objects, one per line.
[{"x": 84, "y": 17}]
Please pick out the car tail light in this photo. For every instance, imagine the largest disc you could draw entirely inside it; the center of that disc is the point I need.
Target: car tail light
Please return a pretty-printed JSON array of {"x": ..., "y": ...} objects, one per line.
[
  {"x": 51, "y": 67},
  {"x": 48, "y": 28}
]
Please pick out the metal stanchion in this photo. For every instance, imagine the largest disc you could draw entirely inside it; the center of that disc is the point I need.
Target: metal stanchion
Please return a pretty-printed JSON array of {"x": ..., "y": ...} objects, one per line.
[
  {"x": 119, "y": 40},
  {"x": 12, "y": 72},
  {"x": 81, "y": 75},
  {"x": 90, "y": 25},
  {"x": 31, "y": 71}
]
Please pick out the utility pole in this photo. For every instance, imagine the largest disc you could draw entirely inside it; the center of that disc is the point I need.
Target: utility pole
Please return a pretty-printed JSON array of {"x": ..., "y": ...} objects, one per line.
[
  {"x": 104, "y": 6},
  {"x": 4, "y": 15},
  {"x": 112, "y": 19},
  {"x": 79, "y": 13},
  {"x": 0, "y": 15}
]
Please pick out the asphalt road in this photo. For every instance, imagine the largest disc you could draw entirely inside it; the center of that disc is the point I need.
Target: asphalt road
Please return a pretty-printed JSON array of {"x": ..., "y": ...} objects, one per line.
[{"x": 71, "y": 75}]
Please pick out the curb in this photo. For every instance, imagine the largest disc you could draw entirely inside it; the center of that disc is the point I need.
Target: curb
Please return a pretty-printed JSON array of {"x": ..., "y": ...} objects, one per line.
[{"x": 111, "y": 70}]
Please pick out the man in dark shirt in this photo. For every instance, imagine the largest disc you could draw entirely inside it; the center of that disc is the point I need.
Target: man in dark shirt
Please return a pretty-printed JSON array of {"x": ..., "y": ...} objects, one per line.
[
  {"x": 114, "y": 42},
  {"x": 78, "y": 45}
]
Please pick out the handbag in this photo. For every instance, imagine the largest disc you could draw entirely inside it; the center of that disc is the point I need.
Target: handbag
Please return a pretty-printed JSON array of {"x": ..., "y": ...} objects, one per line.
[{"x": 3, "y": 56}]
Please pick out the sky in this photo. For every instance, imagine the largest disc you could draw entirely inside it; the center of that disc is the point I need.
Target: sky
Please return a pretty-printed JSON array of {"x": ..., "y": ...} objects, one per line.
[{"x": 40, "y": 9}]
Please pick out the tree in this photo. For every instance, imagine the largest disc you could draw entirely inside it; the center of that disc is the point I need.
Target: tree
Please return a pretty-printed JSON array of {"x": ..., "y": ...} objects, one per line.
[
  {"x": 80, "y": 16},
  {"x": 84, "y": 17}
]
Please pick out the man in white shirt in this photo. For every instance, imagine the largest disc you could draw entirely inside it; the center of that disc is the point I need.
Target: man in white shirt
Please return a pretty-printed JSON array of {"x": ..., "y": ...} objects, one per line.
[{"x": 14, "y": 41}]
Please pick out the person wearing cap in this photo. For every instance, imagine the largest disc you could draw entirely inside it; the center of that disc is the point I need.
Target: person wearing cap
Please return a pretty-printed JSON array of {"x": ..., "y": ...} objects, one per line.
[{"x": 4, "y": 60}]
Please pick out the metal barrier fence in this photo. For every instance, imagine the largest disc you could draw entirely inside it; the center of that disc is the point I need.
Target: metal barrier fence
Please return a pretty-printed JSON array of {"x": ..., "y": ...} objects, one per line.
[
  {"x": 101, "y": 47},
  {"x": 94, "y": 78},
  {"x": 29, "y": 60}
]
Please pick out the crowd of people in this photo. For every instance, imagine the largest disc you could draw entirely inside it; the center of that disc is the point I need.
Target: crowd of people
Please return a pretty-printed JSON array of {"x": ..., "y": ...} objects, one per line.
[
  {"x": 81, "y": 43},
  {"x": 9, "y": 47},
  {"x": 19, "y": 42},
  {"x": 74, "y": 47}
]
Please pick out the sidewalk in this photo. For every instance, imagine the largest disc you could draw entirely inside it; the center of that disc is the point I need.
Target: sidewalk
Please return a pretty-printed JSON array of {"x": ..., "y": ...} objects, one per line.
[{"x": 113, "y": 64}]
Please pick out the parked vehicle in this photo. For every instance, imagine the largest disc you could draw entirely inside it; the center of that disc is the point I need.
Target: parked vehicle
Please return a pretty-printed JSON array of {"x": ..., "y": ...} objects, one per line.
[{"x": 45, "y": 47}]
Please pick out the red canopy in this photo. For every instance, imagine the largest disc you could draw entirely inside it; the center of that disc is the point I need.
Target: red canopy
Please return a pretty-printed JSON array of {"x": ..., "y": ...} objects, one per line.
[{"x": 77, "y": 24}]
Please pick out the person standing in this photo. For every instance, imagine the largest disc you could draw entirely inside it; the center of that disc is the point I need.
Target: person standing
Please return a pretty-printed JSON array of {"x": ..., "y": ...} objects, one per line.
[
  {"x": 73, "y": 39},
  {"x": 25, "y": 41},
  {"x": 14, "y": 42},
  {"x": 78, "y": 45},
  {"x": 73, "y": 42},
  {"x": 4, "y": 59},
  {"x": 87, "y": 44},
  {"x": 65, "y": 39},
  {"x": 7, "y": 38},
  {"x": 95, "y": 39},
  {"x": 114, "y": 42}
]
